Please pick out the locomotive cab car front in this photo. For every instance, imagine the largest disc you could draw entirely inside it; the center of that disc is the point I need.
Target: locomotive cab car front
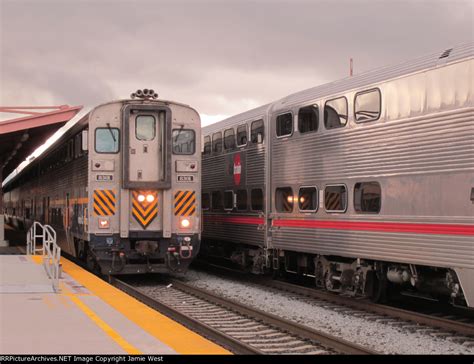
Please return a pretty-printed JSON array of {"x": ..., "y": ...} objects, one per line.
[{"x": 142, "y": 184}]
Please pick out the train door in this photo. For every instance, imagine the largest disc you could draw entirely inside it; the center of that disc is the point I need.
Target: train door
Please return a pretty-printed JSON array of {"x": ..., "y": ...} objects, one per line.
[{"x": 147, "y": 163}]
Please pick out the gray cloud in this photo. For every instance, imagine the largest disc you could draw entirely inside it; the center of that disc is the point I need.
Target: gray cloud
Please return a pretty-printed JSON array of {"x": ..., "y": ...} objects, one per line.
[{"x": 219, "y": 57}]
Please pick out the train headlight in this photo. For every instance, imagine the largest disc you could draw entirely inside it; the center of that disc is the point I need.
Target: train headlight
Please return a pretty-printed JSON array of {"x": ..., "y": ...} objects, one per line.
[
  {"x": 141, "y": 198},
  {"x": 150, "y": 198},
  {"x": 104, "y": 223},
  {"x": 185, "y": 223}
]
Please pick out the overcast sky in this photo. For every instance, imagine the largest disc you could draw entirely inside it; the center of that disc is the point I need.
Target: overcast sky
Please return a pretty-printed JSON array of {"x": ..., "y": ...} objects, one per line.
[{"x": 221, "y": 57}]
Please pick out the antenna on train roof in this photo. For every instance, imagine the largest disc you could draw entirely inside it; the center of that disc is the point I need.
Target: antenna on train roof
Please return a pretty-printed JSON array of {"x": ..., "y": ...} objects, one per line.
[{"x": 146, "y": 94}]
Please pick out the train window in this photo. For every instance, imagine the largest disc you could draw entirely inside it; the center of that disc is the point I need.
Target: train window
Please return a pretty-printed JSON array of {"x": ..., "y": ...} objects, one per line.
[
  {"x": 145, "y": 127},
  {"x": 242, "y": 135},
  {"x": 241, "y": 200},
  {"x": 284, "y": 125},
  {"x": 205, "y": 201},
  {"x": 367, "y": 105},
  {"x": 284, "y": 199},
  {"x": 256, "y": 199},
  {"x": 335, "y": 113},
  {"x": 308, "y": 199},
  {"x": 308, "y": 119},
  {"x": 107, "y": 140},
  {"x": 257, "y": 131},
  {"x": 367, "y": 197},
  {"x": 335, "y": 198},
  {"x": 184, "y": 141},
  {"x": 217, "y": 142},
  {"x": 228, "y": 200},
  {"x": 229, "y": 139},
  {"x": 207, "y": 145},
  {"x": 216, "y": 200}
]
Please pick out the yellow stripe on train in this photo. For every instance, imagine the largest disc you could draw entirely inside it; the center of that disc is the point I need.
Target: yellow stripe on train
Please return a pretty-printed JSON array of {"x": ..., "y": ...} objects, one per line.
[
  {"x": 184, "y": 203},
  {"x": 104, "y": 202}
]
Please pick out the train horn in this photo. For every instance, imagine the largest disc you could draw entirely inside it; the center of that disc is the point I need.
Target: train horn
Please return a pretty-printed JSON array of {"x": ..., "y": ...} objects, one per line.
[{"x": 139, "y": 93}]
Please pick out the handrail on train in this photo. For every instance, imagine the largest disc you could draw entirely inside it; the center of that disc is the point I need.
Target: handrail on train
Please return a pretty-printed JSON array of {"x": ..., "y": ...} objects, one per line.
[{"x": 50, "y": 250}]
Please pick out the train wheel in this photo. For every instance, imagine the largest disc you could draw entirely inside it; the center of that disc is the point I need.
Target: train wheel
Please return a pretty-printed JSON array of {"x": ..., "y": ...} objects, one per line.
[{"x": 379, "y": 286}]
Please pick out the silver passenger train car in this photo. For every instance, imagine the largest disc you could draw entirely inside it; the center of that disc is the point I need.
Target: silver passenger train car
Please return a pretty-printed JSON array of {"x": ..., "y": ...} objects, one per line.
[
  {"x": 120, "y": 187},
  {"x": 362, "y": 184}
]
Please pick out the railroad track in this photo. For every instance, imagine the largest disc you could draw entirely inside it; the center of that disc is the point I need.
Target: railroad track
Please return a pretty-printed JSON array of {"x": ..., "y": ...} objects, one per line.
[
  {"x": 437, "y": 323},
  {"x": 242, "y": 329}
]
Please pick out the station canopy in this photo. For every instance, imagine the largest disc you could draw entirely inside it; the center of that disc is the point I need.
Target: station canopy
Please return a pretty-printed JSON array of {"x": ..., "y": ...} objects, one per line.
[{"x": 20, "y": 137}]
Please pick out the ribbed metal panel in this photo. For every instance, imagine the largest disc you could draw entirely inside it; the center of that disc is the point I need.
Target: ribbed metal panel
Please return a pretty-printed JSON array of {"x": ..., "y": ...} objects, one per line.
[
  {"x": 424, "y": 249},
  {"x": 233, "y": 232}
]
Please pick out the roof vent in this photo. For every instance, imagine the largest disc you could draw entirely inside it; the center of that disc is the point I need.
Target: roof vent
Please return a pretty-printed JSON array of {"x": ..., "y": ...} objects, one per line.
[{"x": 446, "y": 53}]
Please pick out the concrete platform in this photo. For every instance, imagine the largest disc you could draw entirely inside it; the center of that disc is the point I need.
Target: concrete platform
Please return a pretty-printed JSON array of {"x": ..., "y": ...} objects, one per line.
[{"x": 88, "y": 316}]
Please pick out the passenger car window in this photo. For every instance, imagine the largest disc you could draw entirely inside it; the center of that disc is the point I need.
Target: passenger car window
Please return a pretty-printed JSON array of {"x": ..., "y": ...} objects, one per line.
[
  {"x": 207, "y": 145},
  {"x": 257, "y": 131},
  {"x": 145, "y": 127},
  {"x": 241, "y": 196},
  {"x": 335, "y": 198},
  {"x": 308, "y": 119},
  {"x": 242, "y": 135},
  {"x": 335, "y": 113},
  {"x": 308, "y": 199},
  {"x": 229, "y": 139},
  {"x": 367, "y": 105},
  {"x": 107, "y": 140},
  {"x": 228, "y": 200},
  {"x": 184, "y": 141},
  {"x": 284, "y": 199},
  {"x": 205, "y": 201},
  {"x": 367, "y": 197},
  {"x": 256, "y": 198},
  {"x": 217, "y": 142},
  {"x": 284, "y": 125},
  {"x": 216, "y": 200}
]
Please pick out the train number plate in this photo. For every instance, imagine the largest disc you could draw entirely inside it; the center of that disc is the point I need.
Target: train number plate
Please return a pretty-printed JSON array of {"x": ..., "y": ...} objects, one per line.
[
  {"x": 185, "y": 178},
  {"x": 104, "y": 177}
]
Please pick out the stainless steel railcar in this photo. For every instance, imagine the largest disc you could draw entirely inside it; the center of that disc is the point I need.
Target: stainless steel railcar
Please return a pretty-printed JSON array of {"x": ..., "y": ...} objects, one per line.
[
  {"x": 367, "y": 182},
  {"x": 121, "y": 187}
]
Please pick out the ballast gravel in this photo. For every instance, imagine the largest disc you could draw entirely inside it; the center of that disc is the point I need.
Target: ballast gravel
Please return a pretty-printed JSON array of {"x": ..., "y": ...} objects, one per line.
[{"x": 382, "y": 335}]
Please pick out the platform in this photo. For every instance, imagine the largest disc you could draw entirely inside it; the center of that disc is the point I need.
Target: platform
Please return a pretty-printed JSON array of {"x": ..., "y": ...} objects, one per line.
[{"x": 88, "y": 316}]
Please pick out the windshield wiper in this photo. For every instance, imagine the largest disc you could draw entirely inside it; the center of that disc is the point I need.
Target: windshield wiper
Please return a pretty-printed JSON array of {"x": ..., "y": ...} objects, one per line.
[{"x": 111, "y": 132}]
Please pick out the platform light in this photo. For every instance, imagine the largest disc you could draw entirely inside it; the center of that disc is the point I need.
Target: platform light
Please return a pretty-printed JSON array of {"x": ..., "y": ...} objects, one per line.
[
  {"x": 150, "y": 198},
  {"x": 141, "y": 198},
  {"x": 103, "y": 223},
  {"x": 185, "y": 223}
]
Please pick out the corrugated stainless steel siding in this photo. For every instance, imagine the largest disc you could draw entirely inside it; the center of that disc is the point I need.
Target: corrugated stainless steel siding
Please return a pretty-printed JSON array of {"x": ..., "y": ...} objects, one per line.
[
  {"x": 424, "y": 249},
  {"x": 232, "y": 232}
]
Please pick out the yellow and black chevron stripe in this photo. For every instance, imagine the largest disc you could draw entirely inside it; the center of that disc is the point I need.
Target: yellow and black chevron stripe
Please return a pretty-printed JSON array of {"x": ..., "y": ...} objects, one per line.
[
  {"x": 104, "y": 202},
  {"x": 184, "y": 203},
  {"x": 144, "y": 212}
]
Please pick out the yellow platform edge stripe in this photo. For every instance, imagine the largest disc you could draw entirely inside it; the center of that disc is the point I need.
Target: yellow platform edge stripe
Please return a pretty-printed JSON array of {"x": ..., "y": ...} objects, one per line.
[{"x": 171, "y": 333}]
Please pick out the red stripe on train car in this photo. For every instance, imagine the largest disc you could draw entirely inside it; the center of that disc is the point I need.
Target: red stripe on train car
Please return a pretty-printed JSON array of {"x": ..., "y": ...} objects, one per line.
[
  {"x": 236, "y": 219},
  {"x": 443, "y": 229}
]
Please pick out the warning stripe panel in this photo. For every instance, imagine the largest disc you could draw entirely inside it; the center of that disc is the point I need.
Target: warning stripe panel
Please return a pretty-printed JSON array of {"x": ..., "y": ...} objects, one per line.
[
  {"x": 104, "y": 202},
  {"x": 145, "y": 211},
  {"x": 184, "y": 203}
]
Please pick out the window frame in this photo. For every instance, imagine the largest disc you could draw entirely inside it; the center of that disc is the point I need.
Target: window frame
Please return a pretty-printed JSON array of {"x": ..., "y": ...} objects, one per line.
[
  {"x": 172, "y": 142},
  {"x": 263, "y": 200},
  {"x": 292, "y": 125},
  {"x": 118, "y": 138},
  {"x": 292, "y": 203},
  {"x": 223, "y": 200},
  {"x": 154, "y": 128},
  {"x": 317, "y": 199},
  {"x": 313, "y": 105},
  {"x": 204, "y": 145},
  {"x": 361, "y": 212},
  {"x": 380, "y": 105},
  {"x": 347, "y": 198},
  {"x": 224, "y": 139},
  {"x": 212, "y": 143},
  {"x": 246, "y": 135},
  {"x": 263, "y": 136},
  {"x": 347, "y": 110}
]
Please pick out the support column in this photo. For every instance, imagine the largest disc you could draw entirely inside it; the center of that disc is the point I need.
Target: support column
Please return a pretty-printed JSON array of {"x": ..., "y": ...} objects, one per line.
[{"x": 3, "y": 242}]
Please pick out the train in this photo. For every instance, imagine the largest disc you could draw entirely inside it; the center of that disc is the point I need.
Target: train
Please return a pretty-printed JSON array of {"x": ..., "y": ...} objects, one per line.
[
  {"x": 120, "y": 187},
  {"x": 365, "y": 185}
]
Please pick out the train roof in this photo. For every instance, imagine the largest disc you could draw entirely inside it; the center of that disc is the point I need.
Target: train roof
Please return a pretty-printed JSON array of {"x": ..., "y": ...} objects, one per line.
[{"x": 436, "y": 59}]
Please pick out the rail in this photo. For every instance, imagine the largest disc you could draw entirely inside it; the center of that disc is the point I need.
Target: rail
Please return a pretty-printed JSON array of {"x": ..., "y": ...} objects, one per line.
[{"x": 49, "y": 249}]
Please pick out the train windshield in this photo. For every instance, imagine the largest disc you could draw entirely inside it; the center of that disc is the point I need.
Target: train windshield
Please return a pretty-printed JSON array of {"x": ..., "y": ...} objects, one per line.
[
  {"x": 107, "y": 140},
  {"x": 184, "y": 141}
]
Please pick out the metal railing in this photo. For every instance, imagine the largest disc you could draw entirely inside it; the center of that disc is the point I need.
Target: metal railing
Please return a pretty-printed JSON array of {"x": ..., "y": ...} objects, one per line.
[{"x": 49, "y": 249}]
